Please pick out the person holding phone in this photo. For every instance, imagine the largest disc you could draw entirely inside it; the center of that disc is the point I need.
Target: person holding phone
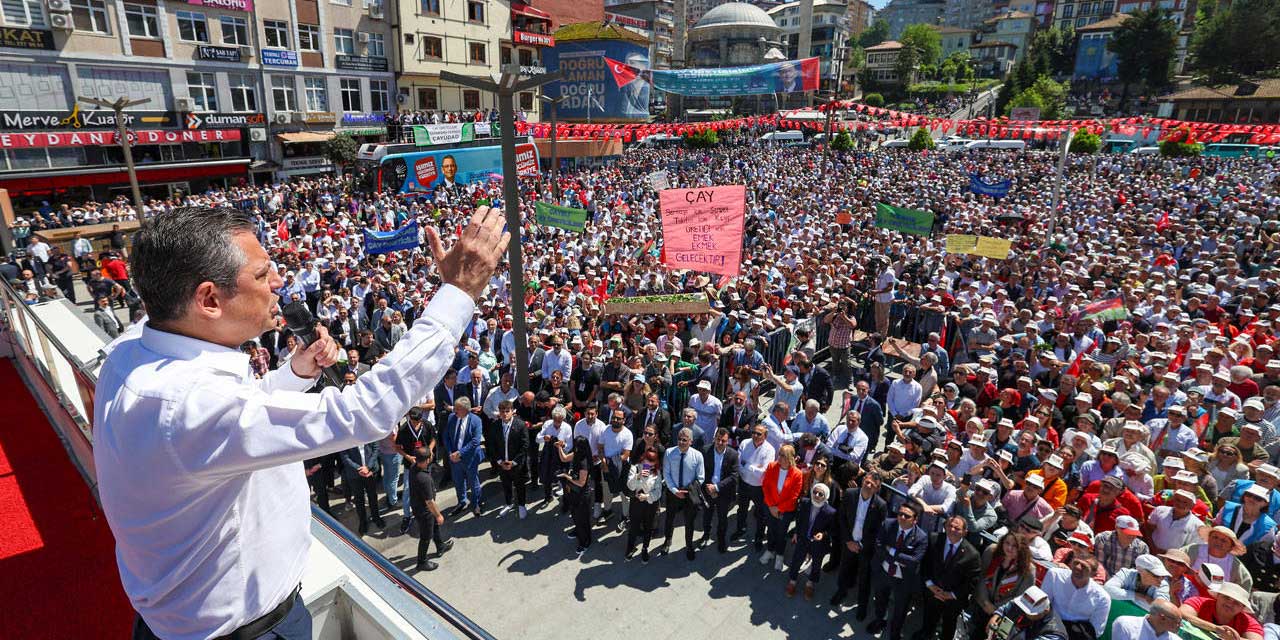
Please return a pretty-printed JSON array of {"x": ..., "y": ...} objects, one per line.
[{"x": 645, "y": 482}]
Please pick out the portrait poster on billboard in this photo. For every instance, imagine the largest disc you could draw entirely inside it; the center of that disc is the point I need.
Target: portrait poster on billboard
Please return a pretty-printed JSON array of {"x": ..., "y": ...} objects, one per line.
[
  {"x": 450, "y": 169},
  {"x": 587, "y": 86}
]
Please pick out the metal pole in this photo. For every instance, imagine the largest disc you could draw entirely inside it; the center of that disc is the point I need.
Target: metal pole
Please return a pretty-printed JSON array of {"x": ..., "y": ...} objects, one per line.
[
  {"x": 1057, "y": 187},
  {"x": 555, "y": 160},
  {"x": 122, "y": 132},
  {"x": 515, "y": 257}
]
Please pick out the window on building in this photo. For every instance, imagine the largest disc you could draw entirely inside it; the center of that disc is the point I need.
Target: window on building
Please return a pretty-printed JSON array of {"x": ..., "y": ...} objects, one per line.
[
  {"x": 23, "y": 13},
  {"x": 377, "y": 45},
  {"x": 1080, "y": 22},
  {"x": 192, "y": 26},
  {"x": 504, "y": 56},
  {"x": 1068, "y": 11},
  {"x": 244, "y": 92},
  {"x": 345, "y": 3},
  {"x": 470, "y": 99},
  {"x": 431, "y": 7},
  {"x": 526, "y": 58},
  {"x": 432, "y": 48},
  {"x": 277, "y": 33},
  {"x": 282, "y": 94},
  {"x": 90, "y": 15},
  {"x": 475, "y": 11},
  {"x": 427, "y": 99},
  {"x": 379, "y": 96},
  {"x": 142, "y": 21},
  {"x": 1108, "y": 7},
  {"x": 476, "y": 52},
  {"x": 308, "y": 37},
  {"x": 203, "y": 88},
  {"x": 317, "y": 94},
  {"x": 350, "y": 90},
  {"x": 526, "y": 101},
  {"x": 344, "y": 42},
  {"x": 235, "y": 31}
]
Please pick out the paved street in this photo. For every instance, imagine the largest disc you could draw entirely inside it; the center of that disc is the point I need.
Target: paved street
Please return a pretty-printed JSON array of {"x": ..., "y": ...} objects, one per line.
[{"x": 560, "y": 597}]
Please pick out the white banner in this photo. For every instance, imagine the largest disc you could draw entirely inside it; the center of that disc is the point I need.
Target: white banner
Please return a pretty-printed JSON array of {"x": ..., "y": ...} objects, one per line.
[{"x": 658, "y": 181}]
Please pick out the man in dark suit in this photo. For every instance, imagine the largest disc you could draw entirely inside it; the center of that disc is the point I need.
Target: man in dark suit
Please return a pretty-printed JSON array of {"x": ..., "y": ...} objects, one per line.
[
  {"x": 871, "y": 411},
  {"x": 862, "y": 515},
  {"x": 461, "y": 439},
  {"x": 651, "y": 414},
  {"x": 445, "y": 393},
  {"x": 817, "y": 384},
  {"x": 512, "y": 456},
  {"x": 901, "y": 548},
  {"x": 536, "y": 354},
  {"x": 721, "y": 488},
  {"x": 951, "y": 573},
  {"x": 359, "y": 474},
  {"x": 815, "y": 525},
  {"x": 738, "y": 418}
]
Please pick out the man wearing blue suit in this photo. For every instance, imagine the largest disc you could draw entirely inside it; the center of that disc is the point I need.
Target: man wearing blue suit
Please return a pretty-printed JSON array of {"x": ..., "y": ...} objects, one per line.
[
  {"x": 871, "y": 411},
  {"x": 359, "y": 475},
  {"x": 462, "y": 438},
  {"x": 896, "y": 569}
]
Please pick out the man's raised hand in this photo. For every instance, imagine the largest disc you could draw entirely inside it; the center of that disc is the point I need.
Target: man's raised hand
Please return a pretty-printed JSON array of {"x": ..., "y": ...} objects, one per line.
[{"x": 470, "y": 262}]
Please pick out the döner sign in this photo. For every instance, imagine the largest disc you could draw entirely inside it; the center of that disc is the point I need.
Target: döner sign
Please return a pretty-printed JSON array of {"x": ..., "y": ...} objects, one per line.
[{"x": 100, "y": 138}]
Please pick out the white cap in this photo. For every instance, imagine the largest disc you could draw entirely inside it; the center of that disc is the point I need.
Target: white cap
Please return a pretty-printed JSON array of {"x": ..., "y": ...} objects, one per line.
[
  {"x": 1034, "y": 601},
  {"x": 1151, "y": 564}
]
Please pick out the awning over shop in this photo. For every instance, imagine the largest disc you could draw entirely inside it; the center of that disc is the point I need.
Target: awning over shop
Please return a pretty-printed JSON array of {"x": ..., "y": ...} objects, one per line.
[
  {"x": 304, "y": 136},
  {"x": 526, "y": 10},
  {"x": 48, "y": 180}
]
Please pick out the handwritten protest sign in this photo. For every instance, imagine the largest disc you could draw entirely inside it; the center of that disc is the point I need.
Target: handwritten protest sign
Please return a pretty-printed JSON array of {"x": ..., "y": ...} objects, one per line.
[
  {"x": 658, "y": 181},
  {"x": 992, "y": 248},
  {"x": 959, "y": 243},
  {"x": 702, "y": 228},
  {"x": 911, "y": 221}
]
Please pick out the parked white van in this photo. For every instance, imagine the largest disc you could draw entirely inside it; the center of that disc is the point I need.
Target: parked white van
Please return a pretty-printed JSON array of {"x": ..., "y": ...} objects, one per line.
[
  {"x": 1012, "y": 145},
  {"x": 791, "y": 135},
  {"x": 900, "y": 143}
]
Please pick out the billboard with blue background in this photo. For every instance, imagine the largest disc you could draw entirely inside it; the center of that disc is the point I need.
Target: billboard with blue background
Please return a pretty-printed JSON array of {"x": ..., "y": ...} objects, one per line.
[
  {"x": 588, "y": 86},
  {"x": 448, "y": 169}
]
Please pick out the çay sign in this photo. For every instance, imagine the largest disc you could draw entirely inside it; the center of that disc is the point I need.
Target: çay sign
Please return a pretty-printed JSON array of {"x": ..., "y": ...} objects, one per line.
[{"x": 702, "y": 228}]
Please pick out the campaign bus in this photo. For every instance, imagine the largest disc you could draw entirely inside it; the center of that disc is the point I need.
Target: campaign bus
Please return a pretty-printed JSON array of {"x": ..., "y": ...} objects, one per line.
[{"x": 412, "y": 170}]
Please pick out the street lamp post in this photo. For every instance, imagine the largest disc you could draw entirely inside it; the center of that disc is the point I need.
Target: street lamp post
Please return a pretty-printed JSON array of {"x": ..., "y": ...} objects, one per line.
[
  {"x": 555, "y": 159},
  {"x": 1057, "y": 187},
  {"x": 505, "y": 87},
  {"x": 122, "y": 136}
]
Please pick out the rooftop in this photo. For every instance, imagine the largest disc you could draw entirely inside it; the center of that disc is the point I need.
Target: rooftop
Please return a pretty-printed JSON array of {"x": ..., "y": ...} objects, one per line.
[
  {"x": 580, "y": 31},
  {"x": 1268, "y": 89},
  {"x": 736, "y": 14},
  {"x": 1106, "y": 25},
  {"x": 887, "y": 45}
]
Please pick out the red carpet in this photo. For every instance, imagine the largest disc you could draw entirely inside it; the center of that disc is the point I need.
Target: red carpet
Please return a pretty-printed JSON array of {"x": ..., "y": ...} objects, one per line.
[{"x": 58, "y": 576}]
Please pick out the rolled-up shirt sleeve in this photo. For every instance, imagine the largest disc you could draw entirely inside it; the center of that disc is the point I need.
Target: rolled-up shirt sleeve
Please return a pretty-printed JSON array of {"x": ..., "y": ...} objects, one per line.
[{"x": 222, "y": 427}]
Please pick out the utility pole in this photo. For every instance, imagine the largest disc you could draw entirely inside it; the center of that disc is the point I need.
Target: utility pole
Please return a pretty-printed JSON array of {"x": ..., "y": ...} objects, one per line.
[
  {"x": 1057, "y": 187},
  {"x": 555, "y": 125},
  {"x": 505, "y": 87},
  {"x": 122, "y": 136}
]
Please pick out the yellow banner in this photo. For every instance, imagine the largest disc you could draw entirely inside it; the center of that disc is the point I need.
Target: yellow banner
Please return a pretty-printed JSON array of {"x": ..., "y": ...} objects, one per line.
[
  {"x": 992, "y": 248},
  {"x": 960, "y": 243}
]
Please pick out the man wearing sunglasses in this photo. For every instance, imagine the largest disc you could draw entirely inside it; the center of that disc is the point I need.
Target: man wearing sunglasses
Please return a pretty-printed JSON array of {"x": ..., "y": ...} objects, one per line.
[{"x": 902, "y": 545}]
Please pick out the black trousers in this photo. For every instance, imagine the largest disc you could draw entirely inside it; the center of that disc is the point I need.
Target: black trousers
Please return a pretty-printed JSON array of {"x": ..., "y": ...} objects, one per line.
[
  {"x": 680, "y": 505},
  {"x": 580, "y": 509},
  {"x": 513, "y": 481},
  {"x": 320, "y": 481},
  {"x": 902, "y": 591},
  {"x": 717, "y": 508},
  {"x": 1079, "y": 630},
  {"x": 534, "y": 462},
  {"x": 366, "y": 489},
  {"x": 855, "y": 571},
  {"x": 749, "y": 495},
  {"x": 428, "y": 532},
  {"x": 641, "y": 522},
  {"x": 940, "y": 616}
]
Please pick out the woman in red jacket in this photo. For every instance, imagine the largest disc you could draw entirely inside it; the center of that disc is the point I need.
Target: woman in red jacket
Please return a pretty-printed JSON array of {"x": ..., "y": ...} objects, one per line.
[{"x": 782, "y": 483}]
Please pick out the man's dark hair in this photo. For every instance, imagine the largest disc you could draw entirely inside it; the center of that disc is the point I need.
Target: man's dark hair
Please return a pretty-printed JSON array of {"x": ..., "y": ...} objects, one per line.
[{"x": 173, "y": 253}]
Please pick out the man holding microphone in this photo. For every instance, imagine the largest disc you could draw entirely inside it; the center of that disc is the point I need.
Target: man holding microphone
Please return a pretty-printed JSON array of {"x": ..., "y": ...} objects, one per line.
[{"x": 199, "y": 464}]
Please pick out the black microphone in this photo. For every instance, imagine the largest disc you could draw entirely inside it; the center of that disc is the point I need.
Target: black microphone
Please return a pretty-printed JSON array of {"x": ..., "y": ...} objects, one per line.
[{"x": 299, "y": 321}]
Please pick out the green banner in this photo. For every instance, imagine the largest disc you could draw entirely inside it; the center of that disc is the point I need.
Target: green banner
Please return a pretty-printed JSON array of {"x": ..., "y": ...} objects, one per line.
[
  {"x": 450, "y": 133},
  {"x": 554, "y": 215},
  {"x": 905, "y": 220}
]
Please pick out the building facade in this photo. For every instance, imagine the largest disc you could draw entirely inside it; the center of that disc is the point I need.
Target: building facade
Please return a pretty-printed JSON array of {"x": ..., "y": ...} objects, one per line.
[
  {"x": 652, "y": 19},
  {"x": 828, "y": 35},
  {"x": 1077, "y": 14},
  {"x": 900, "y": 14},
  {"x": 222, "y": 79}
]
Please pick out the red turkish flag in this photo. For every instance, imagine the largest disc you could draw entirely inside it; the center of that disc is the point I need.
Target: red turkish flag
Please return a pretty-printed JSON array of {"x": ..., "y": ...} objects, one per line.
[{"x": 623, "y": 74}]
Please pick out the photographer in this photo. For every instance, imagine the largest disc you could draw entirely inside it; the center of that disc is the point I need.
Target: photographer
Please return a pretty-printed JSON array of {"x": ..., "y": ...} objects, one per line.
[{"x": 839, "y": 315}]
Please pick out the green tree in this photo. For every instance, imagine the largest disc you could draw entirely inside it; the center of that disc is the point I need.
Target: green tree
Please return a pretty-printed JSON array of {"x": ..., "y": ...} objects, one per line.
[
  {"x": 920, "y": 140},
  {"x": 1055, "y": 51},
  {"x": 1241, "y": 41},
  {"x": 873, "y": 100},
  {"x": 842, "y": 142},
  {"x": 1045, "y": 94},
  {"x": 702, "y": 139},
  {"x": 1085, "y": 142},
  {"x": 1145, "y": 46},
  {"x": 955, "y": 67},
  {"x": 341, "y": 150},
  {"x": 879, "y": 32},
  {"x": 925, "y": 40}
]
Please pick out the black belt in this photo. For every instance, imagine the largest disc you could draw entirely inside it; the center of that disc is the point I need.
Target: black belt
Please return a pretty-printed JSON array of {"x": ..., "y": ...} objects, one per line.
[{"x": 267, "y": 622}]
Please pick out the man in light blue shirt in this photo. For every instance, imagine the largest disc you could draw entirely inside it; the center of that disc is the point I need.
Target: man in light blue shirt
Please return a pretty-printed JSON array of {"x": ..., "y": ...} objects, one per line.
[
  {"x": 557, "y": 358},
  {"x": 681, "y": 469},
  {"x": 810, "y": 422}
]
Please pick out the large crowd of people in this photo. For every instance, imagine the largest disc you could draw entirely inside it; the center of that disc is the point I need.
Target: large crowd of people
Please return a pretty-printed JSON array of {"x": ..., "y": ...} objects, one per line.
[{"x": 1008, "y": 446}]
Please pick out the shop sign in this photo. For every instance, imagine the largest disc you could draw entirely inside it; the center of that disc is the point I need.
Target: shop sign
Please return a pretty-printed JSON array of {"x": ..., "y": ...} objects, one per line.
[
  {"x": 306, "y": 162},
  {"x": 206, "y": 120},
  {"x": 320, "y": 117},
  {"x": 362, "y": 131},
  {"x": 363, "y": 118},
  {"x": 81, "y": 119},
  {"x": 43, "y": 139},
  {"x": 537, "y": 39},
  {"x": 360, "y": 63},
  {"x": 219, "y": 54},
  {"x": 233, "y": 5},
  {"x": 280, "y": 57},
  {"x": 18, "y": 38}
]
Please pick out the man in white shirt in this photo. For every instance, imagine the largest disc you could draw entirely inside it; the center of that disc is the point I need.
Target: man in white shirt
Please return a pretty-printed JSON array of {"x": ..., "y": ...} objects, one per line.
[
  {"x": 884, "y": 297},
  {"x": 1160, "y": 623},
  {"x": 615, "y": 448},
  {"x": 707, "y": 406},
  {"x": 848, "y": 442},
  {"x": 754, "y": 457},
  {"x": 1173, "y": 526},
  {"x": 591, "y": 428},
  {"x": 904, "y": 395},
  {"x": 557, "y": 358},
  {"x": 778, "y": 433},
  {"x": 1077, "y": 598},
  {"x": 178, "y": 404}
]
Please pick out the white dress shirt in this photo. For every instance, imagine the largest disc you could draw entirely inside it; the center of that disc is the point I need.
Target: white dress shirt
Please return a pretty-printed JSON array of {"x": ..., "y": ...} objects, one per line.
[
  {"x": 904, "y": 397},
  {"x": 753, "y": 460},
  {"x": 1076, "y": 605},
  {"x": 200, "y": 466},
  {"x": 856, "y": 440},
  {"x": 496, "y": 396},
  {"x": 860, "y": 520},
  {"x": 1137, "y": 628}
]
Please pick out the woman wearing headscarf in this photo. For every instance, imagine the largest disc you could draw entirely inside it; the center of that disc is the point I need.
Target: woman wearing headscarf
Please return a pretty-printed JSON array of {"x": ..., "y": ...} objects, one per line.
[{"x": 814, "y": 530}]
